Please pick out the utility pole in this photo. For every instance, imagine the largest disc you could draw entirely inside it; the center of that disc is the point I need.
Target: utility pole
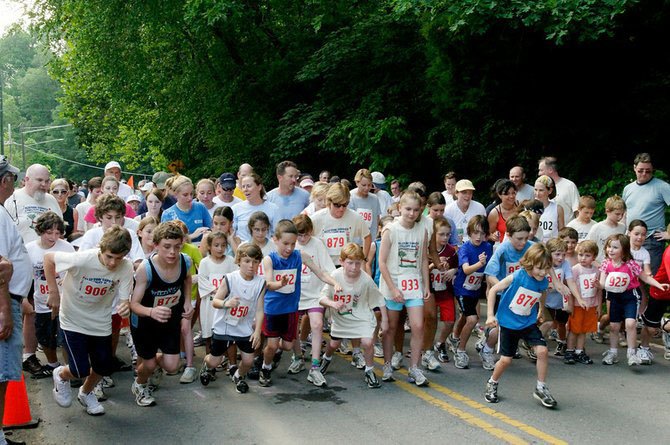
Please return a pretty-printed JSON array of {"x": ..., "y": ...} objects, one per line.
[
  {"x": 23, "y": 148},
  {"x": 2, "y": 122},
  {"x": 9, "y": 137}
]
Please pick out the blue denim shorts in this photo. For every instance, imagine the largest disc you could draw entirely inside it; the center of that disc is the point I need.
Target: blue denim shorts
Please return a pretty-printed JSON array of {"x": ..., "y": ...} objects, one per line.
[{"x": 12, "y": 348}]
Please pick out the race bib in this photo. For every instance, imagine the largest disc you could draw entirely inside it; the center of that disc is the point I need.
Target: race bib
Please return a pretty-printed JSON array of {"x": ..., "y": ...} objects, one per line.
[
  {"x": 523, "y": 301},
  {"x": 305, "y": 275},
  {"x": 587, "y": 285},
  {"x": 261, "y": 272},
  {"x": 408, "y": 283},
  {"x": 510, "y": 268},
  {"x": 348, "y": 301},
  {"x": 438, "y": 279},
  {"x": 235, "y": 314},
  {"x": 93, "y": 289},
  {"x": 167, "y": 300},
  {"x": 292, "y": 275},
  {"x": 559, "y": 276},
  {"x": 617, "y": 282},
  {"x": 334, "y": 242},
  {"x": 366, "y": 214},
  {"x": 473, "y": 281},
  {"x": 42, "y": 288},
  {"x": 216, "y": 279}
]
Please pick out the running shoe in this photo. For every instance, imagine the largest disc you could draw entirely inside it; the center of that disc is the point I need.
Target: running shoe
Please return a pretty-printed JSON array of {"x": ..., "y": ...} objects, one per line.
[
  {"x": 107, "y": 382},
  {"x": 491, "y": 394},
  {"x": 325, "y": 364},
  {"x": 441, "y": 350},
  {"x": 480, "y": 344},
  {"x": 597, "y": 337},
  {"x": 371, "y": 379},
  {"x": 645, "y": 355},
  {"x": 155, "y": 379},
  {"x": 189, "y": 375},
  {"x": 610, "y": 357},
  {"x": 316, "y": 378},
  {"x": 396, "y": 360},
  {"x": 545, "y": 397},
  {"x": 345, "y": 347},
  {"x": 32, "y": 365},
  {"x": 583, "y": 358},
  {"x": 62, "y": 391},
  {"x": 461, "y": 360},
  {"x": 357, "y": 360},
  {"x": 488, "y": 361},
  {"x": 297, "y": 365},
  {"x": 387, "y": 373},
  {"x": 532, "y": 356},
  {"x": 90, "y": 402},
  {"x": 553, "y": 335},
  {"x": 429, "y": 361},
  {"x": 265, "y": 378},
  {"x": 379, "y": 350},
  {"x": 561, "y": 347},
  {"x": 453, "y": 342},
  {"x": 633, "y": 359},
  {"x": 415, "y": 375},
  {"x": 207, "y": 375},
  {"x": 569, "y": 357},
  {"x": 241, "y": 385},
  {"x": 198, "y": 340},
  {"x": 99, "y": 392},
  {"x": 143, "y": 394},
  {"x": 622, "y": 340}
]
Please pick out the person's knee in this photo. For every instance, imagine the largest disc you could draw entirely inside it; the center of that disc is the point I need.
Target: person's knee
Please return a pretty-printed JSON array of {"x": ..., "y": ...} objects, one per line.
[{"x": 541, "y": 352}]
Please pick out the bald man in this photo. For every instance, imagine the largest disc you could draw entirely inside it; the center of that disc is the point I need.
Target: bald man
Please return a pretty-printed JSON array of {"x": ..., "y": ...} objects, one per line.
[
  {"x": 244, "y": 170},
  {"x": 29, "y": 202},
  {"x": 523, "y": 191}
]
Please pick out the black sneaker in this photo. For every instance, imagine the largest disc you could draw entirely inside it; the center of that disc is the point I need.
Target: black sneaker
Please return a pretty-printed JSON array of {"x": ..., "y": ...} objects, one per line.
[
  {"x": 517, "y": 354},
  {"x": 583, "y": 358},
  {"x": 491, "y": 394},
  {"x": 207, "y": 375},
  {"x": 32, "y": 365},
  {"x": 265, "y": 378},
  {"x": 441, "y": 350},
  {"x": 325, "y": 363},
  {"x": 569, "y": 357},
  {"x": 371, "y": 379},
  {"x": 254, "y": 373},
  {"x": 561, "y": 347},
  {"x": 545, "y": 397},
  {"x": 276, "y": 359},
  {"x": 240, "y": 385}
]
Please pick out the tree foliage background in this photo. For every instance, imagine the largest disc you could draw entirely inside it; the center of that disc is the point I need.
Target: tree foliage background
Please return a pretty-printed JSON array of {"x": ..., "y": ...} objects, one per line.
[{"x": 410, "y": 87}]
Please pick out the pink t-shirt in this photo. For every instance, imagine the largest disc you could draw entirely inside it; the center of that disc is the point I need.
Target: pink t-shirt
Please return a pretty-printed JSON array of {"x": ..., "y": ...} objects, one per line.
[{"x": 621, "y": 278}]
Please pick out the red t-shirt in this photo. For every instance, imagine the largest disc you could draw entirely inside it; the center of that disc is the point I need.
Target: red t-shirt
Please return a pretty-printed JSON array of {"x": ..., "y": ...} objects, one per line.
[
  {"x": 662, "y": 276},
  {"x": 444, "y": 290}
]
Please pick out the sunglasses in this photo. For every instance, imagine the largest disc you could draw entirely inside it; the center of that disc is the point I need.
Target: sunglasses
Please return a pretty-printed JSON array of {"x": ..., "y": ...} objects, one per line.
[
  {"x": 339, "y": 206},
  {"x": 59, "y": 192},
  {"x": 225, "y": 189}
]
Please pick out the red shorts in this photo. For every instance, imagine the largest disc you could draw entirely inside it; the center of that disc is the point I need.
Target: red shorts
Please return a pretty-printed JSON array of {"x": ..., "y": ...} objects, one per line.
[
  {"x": 583, "y": 321},
  {"x": 447, "y": 310},
  {"x": 284, "y": 326}
]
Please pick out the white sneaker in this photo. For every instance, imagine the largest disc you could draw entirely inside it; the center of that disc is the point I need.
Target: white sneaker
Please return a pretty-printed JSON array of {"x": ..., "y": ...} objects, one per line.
[
  {"x": 415, "y": 375},
  {"x": 610, "y": 358},
  {"x": 90, "y": 402},
  {"x": 387, "y": 374},
  {"x": 297, "y": 365},
  {"x": 143, "y": 395},
  {"x": 429, "y": 361},
  {"x": 155, "y": 379},
  {"x": 357, "y": 360},
  {"x": 345, "y": 347},
  {"x": 189, "y": 375},
  {"x": 316, "y": 378},
  {"x": 633, "y": 359},
  {"x": 488, "y": 361},
  {"x": 99, "y": 392},
  {"x": 645, "y": 355},
  {"x": 396, "y": 360},
  {"x": 379, "y": 351},
  {"x": 461, "y": 360},
  {"x": 107, "y": 382},
  {"x": 62, "y": 390}
]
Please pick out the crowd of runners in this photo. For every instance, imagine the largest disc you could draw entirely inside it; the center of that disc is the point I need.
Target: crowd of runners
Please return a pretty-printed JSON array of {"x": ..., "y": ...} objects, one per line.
[{"x": 321, "y": 264}]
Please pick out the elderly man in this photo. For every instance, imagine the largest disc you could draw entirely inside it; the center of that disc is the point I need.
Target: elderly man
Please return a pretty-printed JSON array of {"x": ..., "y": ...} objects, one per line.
[
  {"x": 646, "y": 199},
  {"x": 29, "y": 202},
  {"x": 523, "y": 191},
  {"x": 114, "y": 169},
  {"x": 13, "y": 287},
  {"x": 567, "y": 194},
  {"x": 244, "y": 170},
  {"x": 290, "y": 199}
]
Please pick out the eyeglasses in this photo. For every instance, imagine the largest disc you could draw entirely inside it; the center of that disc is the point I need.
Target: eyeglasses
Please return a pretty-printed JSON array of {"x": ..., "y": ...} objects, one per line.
[
  {"x": 58, "y": 192},
  {"x": 339, "y": 206},
  {"x": 643, "y": 170}
]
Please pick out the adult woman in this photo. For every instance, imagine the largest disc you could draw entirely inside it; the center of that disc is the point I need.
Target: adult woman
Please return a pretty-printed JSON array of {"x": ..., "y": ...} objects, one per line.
[
  {"x": 154, "y": 202},
  {"x": 193, "y": 214},
  {"x": 506, "y": 208},
  {"x": 60, "y": 189},
  {"x": 552, "y": 219},
  {"x": 252, "y": 187}
]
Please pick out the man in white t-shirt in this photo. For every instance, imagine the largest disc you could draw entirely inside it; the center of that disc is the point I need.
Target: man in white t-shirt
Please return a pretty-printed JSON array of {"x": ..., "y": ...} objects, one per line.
[
  {"x": 290, "y": 199},
  {"x": 463, "y": 209},
  {"x": 114, "y": 169},
  {"x": 225, "y": 189},
  {"x": 567, "y": 194},
  {"x": 523, "y": 191}
]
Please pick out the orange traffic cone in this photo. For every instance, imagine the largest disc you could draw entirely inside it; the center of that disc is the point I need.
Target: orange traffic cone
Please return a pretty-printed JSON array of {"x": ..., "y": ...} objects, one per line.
[{"x": 17, "y": 409}]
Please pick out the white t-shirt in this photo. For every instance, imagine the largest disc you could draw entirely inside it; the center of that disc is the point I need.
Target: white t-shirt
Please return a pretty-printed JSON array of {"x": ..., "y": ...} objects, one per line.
[
  {"x": 238, "y": 322},
  {"x": 219, "y": 202},
  {"x": 526, "y": 192},
  {"x": 357, "y": 319},
  {"x": 641, "y": 256},
  {"x": 549, "y": 222},
  {"x": 567, "y": 196},
  {"x": 91, "y": 239},
  {"x": 89, "y": 291},
  {"x": 12, "y": 248},
  {"x": 461, "y": 219},
  {"x": 269, "y": 247},
  {"x": 385, "y": 201},
  {"x": 310, "y": 284},
  {"x": 581, "y": 228},
  {"x": 27, "y": 209},
  {"x": 36, "y": 253},
  {"x": 82, "y": 209},
  {"x": 600, "y": 232},
  {"x": 447, "y": 197},
  {"x": 405, "y": 260},
  {"x": 124, "y": 191},
  {"x": 337, "y": 233},
  {"x": 210, "y": 277},
  {"x": 368, "y": 208}
]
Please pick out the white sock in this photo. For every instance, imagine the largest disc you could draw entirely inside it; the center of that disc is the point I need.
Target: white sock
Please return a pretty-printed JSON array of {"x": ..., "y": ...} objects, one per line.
[
  {"x": 540, "y": 385},
  {"x": 369, "y": 368},
  {"x": 487, "y": 348},
  {"x": 578, "y": 351}
]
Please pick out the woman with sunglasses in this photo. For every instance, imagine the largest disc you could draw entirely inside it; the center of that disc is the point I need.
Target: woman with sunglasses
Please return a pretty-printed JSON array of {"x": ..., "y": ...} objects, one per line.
[{"x": 60, "y": 189}]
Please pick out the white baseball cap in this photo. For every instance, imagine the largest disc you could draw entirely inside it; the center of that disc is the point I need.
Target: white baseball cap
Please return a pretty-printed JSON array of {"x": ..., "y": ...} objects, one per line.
[{"x": 112, "y": 164}]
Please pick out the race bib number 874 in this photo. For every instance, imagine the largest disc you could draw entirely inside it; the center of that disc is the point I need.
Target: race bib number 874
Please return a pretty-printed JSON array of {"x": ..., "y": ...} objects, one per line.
[{"x": 523, "y": 301}]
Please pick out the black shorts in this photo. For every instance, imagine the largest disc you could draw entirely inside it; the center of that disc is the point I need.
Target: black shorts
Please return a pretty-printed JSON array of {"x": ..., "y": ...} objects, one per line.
[
  {"x": 559, "y": 315},
  {"x": 654, "y": 312},
  {"x": 468, "y": 305},
  {"x": 48, "y": 331},
  {"x": 508, "y": 339},
  {"x": 221, "y": 343},
  {"x": 150, "y": 336},
  {"x": 87, "y": 352}
]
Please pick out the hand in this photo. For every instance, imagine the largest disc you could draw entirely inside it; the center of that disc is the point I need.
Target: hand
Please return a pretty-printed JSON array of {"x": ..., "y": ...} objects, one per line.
[
  {"x": 123, "y": 309},
  {"x": 450, "y": 275},
  {"x": 665, "y": 287},
  {"x": 199, "y": 231},
  {"x": 540, "y": 317},
  {"x": 255, "y": 340},
  {"x": 160, "y": 313},
  {"x": 6, "y": 271},
  {"x": 661, "y": 236},
  {"x": 482, "y": 258},
  {"x": 232, "y": 302},
  {"x": 285, "y": 280},
  {"x": 397, "y": 296},
  {"x": 582, "y": 303},
  {"x": 339, "y": 305},
  {"x": 337, "y": 287},
  {"x": 491, "y": 322},
  {"x": 427, "y": 294},
  {"x": 188, "y": 312},
  {"x": 53, "y": 302},
  {"x": 6, "y": 321}
]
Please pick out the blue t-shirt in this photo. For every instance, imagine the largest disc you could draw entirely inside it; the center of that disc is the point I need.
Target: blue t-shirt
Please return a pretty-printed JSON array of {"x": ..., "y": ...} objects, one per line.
[
  {"x": 195, "y": 218},
  {"x": 520, "y": 301},
  {"x": 470, "y": 285},
  {"x": 505, "y": 260},
  {"x": 554, "y": 298},
  {"x": 289, "y": 205},
  {"x": 647, "y": 202},
  {"x": 286, "y": 299}
]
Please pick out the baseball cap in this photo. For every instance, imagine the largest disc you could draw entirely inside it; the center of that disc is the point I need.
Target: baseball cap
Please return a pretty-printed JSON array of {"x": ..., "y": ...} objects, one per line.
[
  {"x": 227, "y": 181},
  {"x": 133, "y": 197},
  {"x": 147, "y": 186},
  {"x": 112, "y": 164},
  {"x": 306, "y": 183},
  {"x": 159, "y": 179},
  {"x": 379, "y": 180},
  {"x": 464, "y": 184},
  {"x": 5, "y": 166}
]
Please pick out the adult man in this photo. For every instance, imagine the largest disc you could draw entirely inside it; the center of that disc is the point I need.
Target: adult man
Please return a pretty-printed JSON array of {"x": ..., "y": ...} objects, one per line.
[
  {"x": 567, "y": 195},
  {"x": 523, "y": 191},
  {"x": 396, "y": 191},
  {"x": 13, "y": 287},
  {"x": 647, "y": 199},
  {"x": 379, "y": 189},
  {"x": 290, "y": 199},
  {"x": 225, "y": 188},
  {"x": 244, "y": 170},
  {"x": 114, "y": 169}
]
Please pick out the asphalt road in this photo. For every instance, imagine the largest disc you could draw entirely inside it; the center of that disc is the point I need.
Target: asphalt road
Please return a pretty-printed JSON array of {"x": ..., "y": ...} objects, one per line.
[{"x": 596, "y": 403}]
